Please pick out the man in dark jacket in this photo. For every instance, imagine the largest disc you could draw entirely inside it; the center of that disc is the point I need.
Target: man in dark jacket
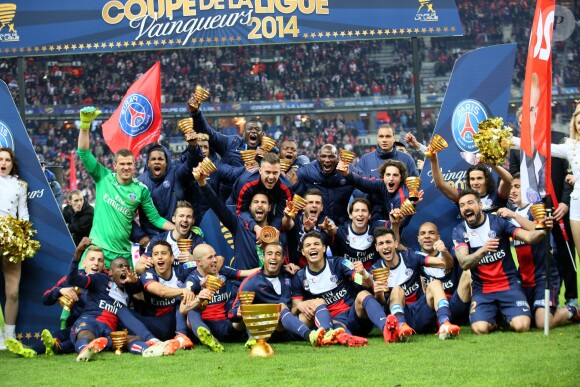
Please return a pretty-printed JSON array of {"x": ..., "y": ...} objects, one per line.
[
  {"x": 229, "y": 147},
  {"x": 369, "y": 164},
  {"x": 78, "y": 215},
  {"x": 267, "y": 178},
  {"x": 563, "y": 191},
  {"x": 195, "y": 197},
  {"x": 167, "y": 181},
  {"x": 322, "y": 175}
]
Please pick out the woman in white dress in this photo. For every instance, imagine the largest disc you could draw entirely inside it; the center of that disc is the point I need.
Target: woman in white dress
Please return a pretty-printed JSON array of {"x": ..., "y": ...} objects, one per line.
[
  {"x": 13, "y": 195},
  {"x": 570, "y": 151}
]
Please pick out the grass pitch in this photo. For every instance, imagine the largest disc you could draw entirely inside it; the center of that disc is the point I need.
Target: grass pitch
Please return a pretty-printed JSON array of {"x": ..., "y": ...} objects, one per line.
[{"x": 501, "y": 358}]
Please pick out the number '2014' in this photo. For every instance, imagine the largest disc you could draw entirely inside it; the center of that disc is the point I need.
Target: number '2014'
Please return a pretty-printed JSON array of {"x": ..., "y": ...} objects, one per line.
[{"x": 269, "y": 27}]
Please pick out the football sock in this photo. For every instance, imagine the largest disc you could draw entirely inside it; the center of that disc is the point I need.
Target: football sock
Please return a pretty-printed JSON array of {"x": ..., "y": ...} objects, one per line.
[
  {"x": 194, "y": 318},
  {"x": 9, "y": 331},
  {"x": 443, "y": 311},
  {"x": 137, "y": 347},
  {"x": 375, "y": 312},
  {"x": 322, "y": 317},
  {"x": 399, "y": 312},
  {"x": 293, "y": 324},
  {"x": 137, "y": 327},
  {"x": 81, "y": 344},
  {"x": 180, "y": 322}
]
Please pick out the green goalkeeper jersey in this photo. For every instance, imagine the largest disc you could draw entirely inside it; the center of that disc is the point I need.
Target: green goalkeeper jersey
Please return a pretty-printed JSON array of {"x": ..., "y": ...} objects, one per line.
[{"x": 115, "y": 206}]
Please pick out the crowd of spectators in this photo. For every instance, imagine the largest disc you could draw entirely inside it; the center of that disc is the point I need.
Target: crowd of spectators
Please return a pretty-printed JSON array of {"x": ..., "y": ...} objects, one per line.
[{"x": 283, "y": 72}]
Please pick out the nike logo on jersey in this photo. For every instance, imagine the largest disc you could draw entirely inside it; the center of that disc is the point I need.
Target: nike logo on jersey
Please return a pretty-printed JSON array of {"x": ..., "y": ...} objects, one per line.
[{"x": 375, "y": 169}]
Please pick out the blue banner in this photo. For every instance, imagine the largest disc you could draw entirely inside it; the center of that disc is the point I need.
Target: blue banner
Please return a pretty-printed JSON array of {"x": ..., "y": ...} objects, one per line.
[
  {"x": 479, "y": 88},
  {"x": 32, "y": 27},
  {"x": 56, "y": 245}
]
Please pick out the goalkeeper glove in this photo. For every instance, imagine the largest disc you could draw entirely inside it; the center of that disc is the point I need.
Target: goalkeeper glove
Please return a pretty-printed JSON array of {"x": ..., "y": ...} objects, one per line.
[{"x": 88, "y": 115}]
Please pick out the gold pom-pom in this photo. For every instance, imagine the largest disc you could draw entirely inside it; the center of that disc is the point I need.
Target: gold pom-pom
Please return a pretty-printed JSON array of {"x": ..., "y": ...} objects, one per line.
[
  {"x": 493, "y": 140},
  {"x": 16, "y": 241}
]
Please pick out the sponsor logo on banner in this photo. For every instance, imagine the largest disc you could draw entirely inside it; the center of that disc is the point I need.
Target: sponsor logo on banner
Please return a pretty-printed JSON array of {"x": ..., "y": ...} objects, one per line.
[
  {"x": 426, "y": 12},
  {"x": 6, "y": 139},
  {"x": 8, "y": 32},
  {"x": 136, "y": 115},
  {"x": 466, "y": 116}
]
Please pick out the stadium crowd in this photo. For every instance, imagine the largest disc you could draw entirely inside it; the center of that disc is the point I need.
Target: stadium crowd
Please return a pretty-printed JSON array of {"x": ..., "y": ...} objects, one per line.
[{"x": 283, "y": 72}]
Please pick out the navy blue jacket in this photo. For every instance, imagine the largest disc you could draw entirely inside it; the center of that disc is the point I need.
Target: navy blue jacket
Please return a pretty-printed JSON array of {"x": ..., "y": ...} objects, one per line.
[
  {"x": 369, "y": 164},
  {"x": 248, "y": 184},
  {"x": 335, "y": 189},
  {"x": 246, "y": 254},
  {"x": 166, "y": 191},
  {"x": 387, "y": 202},
  {"x": 228, "y": 147}
]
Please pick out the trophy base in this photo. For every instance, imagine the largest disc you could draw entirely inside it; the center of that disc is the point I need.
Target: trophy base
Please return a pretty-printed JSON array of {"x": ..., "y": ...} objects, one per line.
[
  {"x": 118, "y": 351},
  {"x": 261, "y": 349}
]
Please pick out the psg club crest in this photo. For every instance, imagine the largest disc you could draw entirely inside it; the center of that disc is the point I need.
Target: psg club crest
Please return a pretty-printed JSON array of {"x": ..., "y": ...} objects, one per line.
[
  {"x": 533, "y": 196},
  {"x": 467, "y": 114},
  {"x": 6, "y": 139},
  {"x": 136, "y": 115}
]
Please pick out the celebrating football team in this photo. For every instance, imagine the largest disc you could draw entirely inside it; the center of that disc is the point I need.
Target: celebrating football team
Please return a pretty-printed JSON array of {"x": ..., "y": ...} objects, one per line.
[{"x": 321, "y": 239}]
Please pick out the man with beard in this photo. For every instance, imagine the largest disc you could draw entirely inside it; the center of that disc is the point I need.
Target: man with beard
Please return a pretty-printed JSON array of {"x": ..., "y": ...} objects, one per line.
[
  {"x": 354, "y": 239},
  {"x": 322, "y": 175},
  {"x": 118, "y": 196},
  {"x": 184, "y": 229},
  {"x": 248, "y": 255},
  {"x": 406, "y": 300},
  {"x": 309, "y": 219},
  {"x": 229, "y": 147},
  {"x": 208, "y": 320},
  {"x": 480, "y": 179},
  {"x": 267, "y": 179},
  {"x": 78, "y": 216},
  {"x": 482, "y": 246},
  {"x": 532, "y": 265},
  {"x": 168, "y": 181},
  {"x": 272, "y": 286}
]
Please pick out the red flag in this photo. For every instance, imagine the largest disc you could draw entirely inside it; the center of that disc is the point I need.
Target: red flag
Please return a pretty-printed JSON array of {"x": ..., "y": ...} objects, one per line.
[
  {"x": 137, "y": 120},
  {"x": 73, "y": 173},
  {"x": 536, "y": 136}
]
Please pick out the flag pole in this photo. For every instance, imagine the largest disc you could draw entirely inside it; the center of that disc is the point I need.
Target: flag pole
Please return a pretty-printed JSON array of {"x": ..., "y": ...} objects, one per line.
[
  {"x": 548, "y": 202},
  {"x": 567, "y": 240}
]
